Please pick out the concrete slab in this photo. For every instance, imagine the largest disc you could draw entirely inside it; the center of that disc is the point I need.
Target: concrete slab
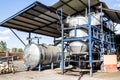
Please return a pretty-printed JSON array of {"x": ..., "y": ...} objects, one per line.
[{"x": 55, "y": 75}]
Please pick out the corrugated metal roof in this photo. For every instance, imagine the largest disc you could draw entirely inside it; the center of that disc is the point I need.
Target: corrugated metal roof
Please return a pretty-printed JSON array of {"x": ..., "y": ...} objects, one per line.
[
  {"x": 41, "y": 19},
  {"x": 114, "y": 15},
  {"x": 72, "y": 7},
  {"x": 36, "y": 18}
]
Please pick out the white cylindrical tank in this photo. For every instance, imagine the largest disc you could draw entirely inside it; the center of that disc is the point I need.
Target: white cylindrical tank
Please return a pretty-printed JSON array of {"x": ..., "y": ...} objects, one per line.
[
  {"x": 79, "y": 33},
  {"x": 78, "y": 46},
  {"x": 35, "y": 54},
  {"x": 76, "y": 21},
  {"x": 95, "y": 18}
]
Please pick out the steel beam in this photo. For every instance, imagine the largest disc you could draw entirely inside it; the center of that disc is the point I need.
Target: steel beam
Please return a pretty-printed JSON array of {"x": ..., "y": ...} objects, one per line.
[
  {"x": 68, "y": 6},
  {"x": 90, "y": 39},
  {"x": 17, "y": 37},
  {"x": 62, "y": 49},
  {"x": 102, "y": 36}
]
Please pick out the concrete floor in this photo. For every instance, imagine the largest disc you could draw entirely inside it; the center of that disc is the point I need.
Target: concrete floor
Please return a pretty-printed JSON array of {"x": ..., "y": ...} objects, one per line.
[{"x": 55, "y": 75}]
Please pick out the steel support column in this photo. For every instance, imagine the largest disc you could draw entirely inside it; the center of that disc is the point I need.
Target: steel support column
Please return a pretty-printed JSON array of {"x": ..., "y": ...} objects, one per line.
[
  {"x": 102, "y": 37},
  {"x": 62, "y": 35},
  {"x": 90, "y": 39},
  {"x": 62, "y": 26}
]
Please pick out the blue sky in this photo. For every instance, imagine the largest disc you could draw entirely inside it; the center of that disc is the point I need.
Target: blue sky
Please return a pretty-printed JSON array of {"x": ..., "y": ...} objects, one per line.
[{"x": 10, "y": 7}]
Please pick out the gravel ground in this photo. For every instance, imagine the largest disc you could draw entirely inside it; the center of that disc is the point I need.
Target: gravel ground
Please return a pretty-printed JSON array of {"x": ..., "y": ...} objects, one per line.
[{"x": 55, "y": 75}]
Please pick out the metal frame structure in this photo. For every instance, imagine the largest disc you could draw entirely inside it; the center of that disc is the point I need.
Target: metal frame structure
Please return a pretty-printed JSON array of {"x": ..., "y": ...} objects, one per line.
[
  {"x": 39, "y": 18},
  {"x": 92, "y": 38}
]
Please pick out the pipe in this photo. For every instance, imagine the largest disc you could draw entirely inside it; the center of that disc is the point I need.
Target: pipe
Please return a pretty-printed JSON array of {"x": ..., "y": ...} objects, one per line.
[{"x": 29, "y": 41}]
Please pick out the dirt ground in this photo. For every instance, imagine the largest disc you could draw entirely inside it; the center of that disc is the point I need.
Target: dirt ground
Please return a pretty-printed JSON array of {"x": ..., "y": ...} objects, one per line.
[{"x": 55, "y": 75}]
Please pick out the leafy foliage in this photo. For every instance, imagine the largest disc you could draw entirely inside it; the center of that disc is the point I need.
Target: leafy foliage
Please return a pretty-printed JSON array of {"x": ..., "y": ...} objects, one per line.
[
  {"x": 14, "y": 49},
  {"x": 3, "y": 46},
  {"x": 20, "y": 50},
  {"x": 17, "y": 50}
]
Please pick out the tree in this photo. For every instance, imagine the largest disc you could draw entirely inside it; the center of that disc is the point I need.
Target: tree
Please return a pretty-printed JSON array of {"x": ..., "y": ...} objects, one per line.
[
  {"x": 3, "y": 46},
  {"x": 19, "y": 50},
  {"x": 14, "y": 49}
]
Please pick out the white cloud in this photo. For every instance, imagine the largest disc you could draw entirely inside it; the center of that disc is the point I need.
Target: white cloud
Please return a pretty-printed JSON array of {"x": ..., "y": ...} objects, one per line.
[
  {"x": 4, "y": 38},
  {"x": 5, "y": 32},
  {"x": 4, "y": 35}
]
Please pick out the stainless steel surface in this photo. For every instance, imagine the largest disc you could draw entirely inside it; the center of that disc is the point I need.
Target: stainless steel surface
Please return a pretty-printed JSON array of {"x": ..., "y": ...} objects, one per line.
[
  {"x": 78, "y": 46},
  {"x": 75, "y": 21},
  {"x": 79, "y": 33},
  {"x": 35, "y": 54}
]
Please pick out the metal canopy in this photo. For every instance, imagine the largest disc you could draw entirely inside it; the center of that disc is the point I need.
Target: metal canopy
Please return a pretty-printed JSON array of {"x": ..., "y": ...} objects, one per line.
[
  {"x": 74, "y": 7},
  {"x": 41, "y": 19},
  {"x": 114, "y": 15},
  {"x": 36, "y": 18}
]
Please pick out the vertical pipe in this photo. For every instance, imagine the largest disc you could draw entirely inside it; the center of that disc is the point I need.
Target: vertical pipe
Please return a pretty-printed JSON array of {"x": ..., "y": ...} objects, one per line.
[
  {"x": 62, "y": 34},
  {"x": 29, "y": 41},
  {"x": 101, "y": 21},
  {"x": 113, "y": 42},
  {"x": 90, "y": 40},
  {"x": 110, "y": 47},
  {"x": 62, "y": 49},
  {"x": 102, "y": 36},
  {"x": 93, "y": 32},
  {"x": 97, "y": 34}
]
